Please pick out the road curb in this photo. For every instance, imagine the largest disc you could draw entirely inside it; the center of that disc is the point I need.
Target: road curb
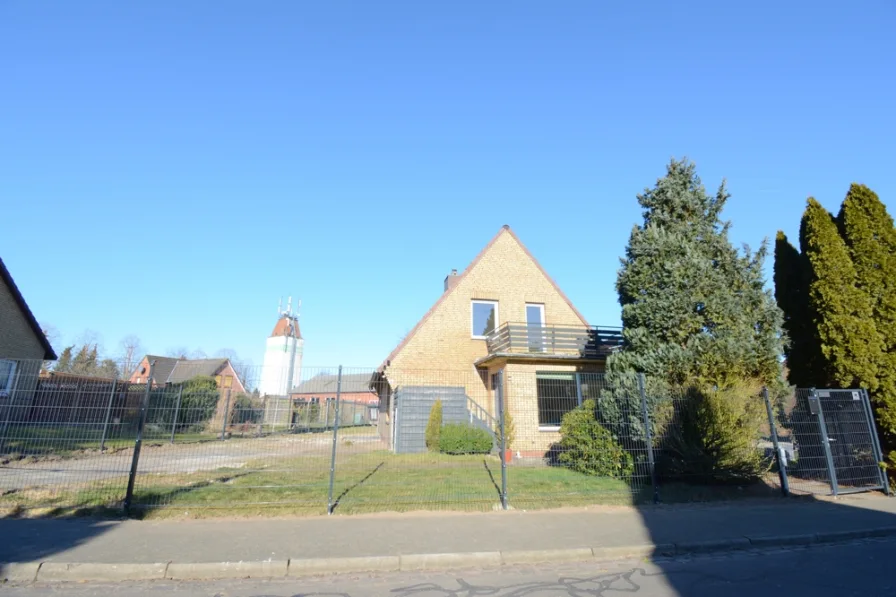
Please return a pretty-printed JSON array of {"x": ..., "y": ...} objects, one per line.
[
  {"x": 450, "y": 561},
  {"x": 19, "y": 572},
  {"x": 207, "y": 570},
  {"x": 703, "y": 547},
  {"x": 510, "y": 558},
  {"x": 60, "y": 572},
  {"x": 310, "y": 567},
  {"x": 26, "y": 572}
]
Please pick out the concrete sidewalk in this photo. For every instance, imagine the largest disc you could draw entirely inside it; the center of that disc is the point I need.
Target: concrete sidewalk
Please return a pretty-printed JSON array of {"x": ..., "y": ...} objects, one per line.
[{"x": 600, "y": 530}]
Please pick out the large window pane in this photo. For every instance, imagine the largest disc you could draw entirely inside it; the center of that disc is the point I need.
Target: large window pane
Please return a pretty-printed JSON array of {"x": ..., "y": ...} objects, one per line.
[
  {"x": 485, "y": 315},
  {"x": 556, "y": 397},
  {"x": 7, "y": 375},
  {"x": 535, "y": 327}
]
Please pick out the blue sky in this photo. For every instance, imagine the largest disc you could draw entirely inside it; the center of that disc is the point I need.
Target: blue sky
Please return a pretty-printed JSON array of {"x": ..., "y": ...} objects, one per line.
[{"x": 171, "y": 169}]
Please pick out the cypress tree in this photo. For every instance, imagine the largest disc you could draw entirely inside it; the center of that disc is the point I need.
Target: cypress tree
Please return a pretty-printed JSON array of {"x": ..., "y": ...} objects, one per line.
[
  {"x": 870, "y": 237},
  {"x": 803, "y": 351},
  {"x": 849, "y": 341},
  {"x": 694, "y": 309}
]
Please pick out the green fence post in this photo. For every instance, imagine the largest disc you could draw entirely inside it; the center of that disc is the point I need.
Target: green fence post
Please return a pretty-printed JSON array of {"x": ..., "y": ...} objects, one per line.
[
  {"x": 648, "y": 436},
  {"x": 335, "y": 438},
  {"x": 138, "y": 441},
  {"x": 108, "y": 417},
  {"x": 779, "y": 451},
  {"x": 180, "y": 393},
  {"x": 224, "y": 420}
]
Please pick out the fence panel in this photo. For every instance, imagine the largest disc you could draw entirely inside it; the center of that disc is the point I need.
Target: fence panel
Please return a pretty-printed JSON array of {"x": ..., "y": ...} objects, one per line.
[
  {"x": 359, "y": 440},
  {"x": 576, "y": 440},
  {"x": 392, "y": 464},
  {"x": 66, "y": 441},
  {"x": 209, "y": 447}
]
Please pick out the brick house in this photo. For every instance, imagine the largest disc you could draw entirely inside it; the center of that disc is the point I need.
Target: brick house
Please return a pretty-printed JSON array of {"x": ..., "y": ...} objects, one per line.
[
  {"x": 322, "y": 390},
  {"x": 501, "y": 330},
  {"x": 322, "y": 387},
  {"x": 175, "y": 370},
  {"x": 23, "y": 347}
]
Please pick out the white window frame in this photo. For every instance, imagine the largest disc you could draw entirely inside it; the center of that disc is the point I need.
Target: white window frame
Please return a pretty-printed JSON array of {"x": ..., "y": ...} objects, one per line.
[
  {"x": 564, "y": 374},
  {"x": 6, "y": 392},
  {"x": 483, "y": 302},
  {"x": 541, "y": 340}
]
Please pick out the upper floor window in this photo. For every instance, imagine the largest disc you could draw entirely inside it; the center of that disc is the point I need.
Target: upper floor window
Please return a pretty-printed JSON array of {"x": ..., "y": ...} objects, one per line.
[
  {"x": 485, "y": 318},
  {"x": 7, "y": 376}
]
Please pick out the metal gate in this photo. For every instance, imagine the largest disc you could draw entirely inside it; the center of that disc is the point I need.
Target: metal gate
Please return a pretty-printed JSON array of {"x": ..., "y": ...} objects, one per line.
[{"x": 835, "y": 443}]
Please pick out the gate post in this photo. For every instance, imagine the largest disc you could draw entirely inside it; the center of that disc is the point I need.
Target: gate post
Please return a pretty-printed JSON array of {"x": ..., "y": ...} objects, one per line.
[
  {"x": 826, "y": 442},
  {"x": 138, "y": 441},
  {"x": 648, "y": 436},
  {"x": 875, "y": 442},
  {"x": 779, "y": 451},
  {"x": 330, "y": 504},
  {"x": 108, "y": 416}
]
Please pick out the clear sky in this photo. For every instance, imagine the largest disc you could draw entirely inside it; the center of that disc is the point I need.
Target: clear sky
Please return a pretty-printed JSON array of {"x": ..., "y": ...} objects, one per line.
[{"x": 171, "y": 169}]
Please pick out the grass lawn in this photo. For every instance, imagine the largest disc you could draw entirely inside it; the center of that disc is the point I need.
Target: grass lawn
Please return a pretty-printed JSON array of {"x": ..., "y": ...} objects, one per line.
[{"x": 364, "y": 482}]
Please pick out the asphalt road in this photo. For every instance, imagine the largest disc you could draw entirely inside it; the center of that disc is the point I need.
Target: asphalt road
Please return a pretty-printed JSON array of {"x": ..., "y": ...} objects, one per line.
[{"x": 860, "y": 569}]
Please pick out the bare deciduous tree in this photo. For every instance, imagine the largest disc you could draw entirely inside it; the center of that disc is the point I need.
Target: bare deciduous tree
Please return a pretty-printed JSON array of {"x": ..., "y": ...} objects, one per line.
[{"x": 131, "y": 353}]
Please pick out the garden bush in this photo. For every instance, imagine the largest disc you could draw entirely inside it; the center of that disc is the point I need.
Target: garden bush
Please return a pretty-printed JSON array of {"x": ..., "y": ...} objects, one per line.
[
  {"x": 588, "y": 447},
  {"x": 434, "y": 427},
  {"x": 198, "y": 402},
  {"x": 713, "y": 436},
  {"x": 245, "y": 410},
  {"x": 459, "y": 438}
]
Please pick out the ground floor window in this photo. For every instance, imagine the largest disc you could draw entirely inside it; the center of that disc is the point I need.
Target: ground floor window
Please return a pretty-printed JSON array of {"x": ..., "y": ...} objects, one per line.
[{"x": 557, "y": 395}]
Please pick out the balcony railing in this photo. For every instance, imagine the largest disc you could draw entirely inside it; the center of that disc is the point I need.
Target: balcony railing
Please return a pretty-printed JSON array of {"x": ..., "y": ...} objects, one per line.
[{"x": 581, "y": 342}]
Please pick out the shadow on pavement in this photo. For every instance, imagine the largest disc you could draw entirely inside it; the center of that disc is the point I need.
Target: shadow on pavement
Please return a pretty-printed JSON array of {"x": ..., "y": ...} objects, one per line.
[
  {"x": 32, "y": 539},
  {"x": 785, "y": 517}
]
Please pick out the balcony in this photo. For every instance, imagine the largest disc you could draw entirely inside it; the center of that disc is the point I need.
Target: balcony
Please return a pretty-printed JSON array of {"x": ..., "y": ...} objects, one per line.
[{"x": 552, "y": 341}]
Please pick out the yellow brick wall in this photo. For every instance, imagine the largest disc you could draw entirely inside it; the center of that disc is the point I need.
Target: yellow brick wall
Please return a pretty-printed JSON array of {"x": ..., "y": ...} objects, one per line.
[
  {"x": 522, "y": 401},
  {"x": 442, "y": 351},
  {"x": 17, "y": 339}
]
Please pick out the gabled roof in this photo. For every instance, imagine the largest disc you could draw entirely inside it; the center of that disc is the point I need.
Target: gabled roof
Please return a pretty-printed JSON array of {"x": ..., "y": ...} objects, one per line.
[
  {"x": 352, "y": 383},
  {"x": 174, "y": 370},
  {"x": 49, "y": 353},
  {"x": 185, "y": 370},
  {"x": 504, "y": 230},
  {"x": 164, "y": 366}
]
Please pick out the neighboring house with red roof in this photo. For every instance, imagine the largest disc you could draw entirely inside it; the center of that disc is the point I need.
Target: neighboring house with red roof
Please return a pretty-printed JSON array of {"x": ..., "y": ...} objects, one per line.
[
  {"x": 502, "y": 329},
  {"x": 23, "y": 347}
]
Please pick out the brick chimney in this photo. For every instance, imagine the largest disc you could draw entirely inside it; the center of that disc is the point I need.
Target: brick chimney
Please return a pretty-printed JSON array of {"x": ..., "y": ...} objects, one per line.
[{"x": 451, "y": 280}]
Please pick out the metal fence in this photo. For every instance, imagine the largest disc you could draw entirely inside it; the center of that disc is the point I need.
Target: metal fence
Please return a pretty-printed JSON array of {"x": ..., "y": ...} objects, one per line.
[
  {"x": 360, "y": 440},
  {"x": 828, "y": 443}
]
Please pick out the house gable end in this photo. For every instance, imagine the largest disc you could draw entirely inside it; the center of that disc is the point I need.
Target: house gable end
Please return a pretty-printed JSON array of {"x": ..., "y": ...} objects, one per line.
[{"x": 506, "y": 272}]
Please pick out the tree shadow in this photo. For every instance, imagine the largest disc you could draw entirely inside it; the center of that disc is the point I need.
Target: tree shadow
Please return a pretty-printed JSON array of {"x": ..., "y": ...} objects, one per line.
[
  {"x": 491, "y": 477},
  {"x": 355, "y": 485},
  {"x": 38, "y": 538}
]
